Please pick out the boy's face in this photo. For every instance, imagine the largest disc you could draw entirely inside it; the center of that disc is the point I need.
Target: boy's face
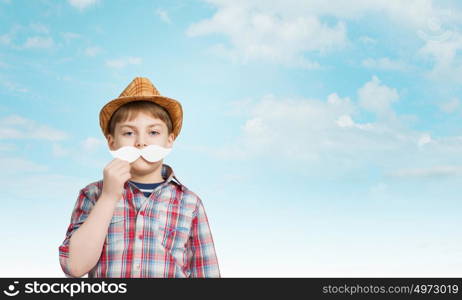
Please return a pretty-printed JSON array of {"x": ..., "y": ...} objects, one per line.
[{"x": 142, "y": 131}]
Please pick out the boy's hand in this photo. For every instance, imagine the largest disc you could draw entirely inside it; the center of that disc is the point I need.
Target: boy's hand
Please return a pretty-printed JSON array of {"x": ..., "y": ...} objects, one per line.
[{"x": 116, "y": 173}]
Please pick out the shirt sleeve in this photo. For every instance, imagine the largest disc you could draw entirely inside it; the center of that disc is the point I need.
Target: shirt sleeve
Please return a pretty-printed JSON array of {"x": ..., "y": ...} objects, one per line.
[
  {"x": 80, "y": 213},
  {"x": 203, "y": 261}
]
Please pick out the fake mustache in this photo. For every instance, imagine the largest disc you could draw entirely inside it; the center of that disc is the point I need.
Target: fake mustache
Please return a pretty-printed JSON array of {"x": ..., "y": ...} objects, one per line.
[{"x": 151, "y": 153}]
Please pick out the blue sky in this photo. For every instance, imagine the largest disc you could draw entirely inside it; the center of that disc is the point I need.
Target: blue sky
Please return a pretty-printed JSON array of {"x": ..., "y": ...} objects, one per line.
[{"x": 324, "y": 139}]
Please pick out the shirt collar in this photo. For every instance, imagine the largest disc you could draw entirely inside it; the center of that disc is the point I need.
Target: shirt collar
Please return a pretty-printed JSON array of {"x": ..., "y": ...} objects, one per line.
[{"x": 167, "y": 174}]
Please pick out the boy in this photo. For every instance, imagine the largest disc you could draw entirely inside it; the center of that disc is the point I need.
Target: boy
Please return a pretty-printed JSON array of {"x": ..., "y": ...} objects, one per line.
[{"x": 139, "y": 221}]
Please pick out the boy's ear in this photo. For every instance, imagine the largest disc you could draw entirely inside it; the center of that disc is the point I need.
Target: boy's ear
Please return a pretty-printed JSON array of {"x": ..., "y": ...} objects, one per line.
[
  {"x": 110, "y": 142},
  {"x": 170, "y": 140}
]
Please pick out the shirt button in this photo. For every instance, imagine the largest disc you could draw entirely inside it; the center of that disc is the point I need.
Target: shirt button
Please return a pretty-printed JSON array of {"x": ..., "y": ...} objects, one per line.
[
  {"x": 142, "y": 213},
  {"x": 138, "y": 267},
  {"x": 140, "y": 236}
]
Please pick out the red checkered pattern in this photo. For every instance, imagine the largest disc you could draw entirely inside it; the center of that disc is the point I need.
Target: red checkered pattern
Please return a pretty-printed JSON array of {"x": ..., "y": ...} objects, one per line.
[{"x": 165, "y": 235}]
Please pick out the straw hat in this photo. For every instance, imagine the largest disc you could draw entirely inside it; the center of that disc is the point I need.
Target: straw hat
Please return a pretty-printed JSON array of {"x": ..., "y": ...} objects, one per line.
[{"x": 142, "y": 89}]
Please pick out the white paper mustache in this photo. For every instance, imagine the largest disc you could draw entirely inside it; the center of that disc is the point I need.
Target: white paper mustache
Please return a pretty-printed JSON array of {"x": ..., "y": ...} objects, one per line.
[{"x": 151, "y": 153}]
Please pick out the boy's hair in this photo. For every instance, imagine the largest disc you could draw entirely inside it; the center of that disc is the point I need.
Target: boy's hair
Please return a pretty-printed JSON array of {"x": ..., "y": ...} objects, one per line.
[{"x": 130, "y": 110}]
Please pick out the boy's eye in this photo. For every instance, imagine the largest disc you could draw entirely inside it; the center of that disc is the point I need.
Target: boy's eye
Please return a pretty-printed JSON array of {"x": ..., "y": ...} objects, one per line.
[{"x": 129, "y": 133}]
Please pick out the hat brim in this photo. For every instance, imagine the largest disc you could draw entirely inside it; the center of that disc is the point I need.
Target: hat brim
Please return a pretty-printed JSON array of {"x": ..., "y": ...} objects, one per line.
[{"x": 172, "y": 106}]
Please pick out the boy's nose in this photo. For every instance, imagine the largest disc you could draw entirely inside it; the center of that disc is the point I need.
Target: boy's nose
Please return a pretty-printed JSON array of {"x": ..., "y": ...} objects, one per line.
[
  {"x": 140, "y": 144},
  {"x": 140, "y": 141}
]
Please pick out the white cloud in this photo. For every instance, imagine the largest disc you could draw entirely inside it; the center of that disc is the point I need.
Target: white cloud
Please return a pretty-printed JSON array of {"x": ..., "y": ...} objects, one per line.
[
  {"x": 286, "y": 31},
  {"x": 20, "y": 165},
  {"x": 13, "y": 86},
  {"x": 377, "y": 98},
  {"x": 424, "y": 139},
  {"x": 17, "y": 127},
  {"x": 308, "y": 130},
  {"x": 436, "y": 171},
  {"x": 347, "y": 121},
  {"x": 59, "y": 151},
  {"x": 240, "y": 107},
  {"x": 5, "y": 39},
  {"x": 92, "y": 51},
  {"x": 367, "y": 40},
  {"x": 42, "y": 179},
  {"x": 69, "y": 36},
  {"x": 446, "y": 58},
  {"x": 39, "y": 28},
  {"x": 328, "y": 136},
  {"x": 123, "y": 62},
  {"x": 91, "y": 144},
  {"x": 378, "y": 191},
  {"x": 37, "y": 37},
  {"x": 39, "y": 42},
  {"x": 450, "y": 106},
  {"x": 163, "y": 15},
  {"x": 385, "y": 63},
  {"x": 257, "y": 32},
  {"x": 379, "y": 188},
  {"x": 82, "y": 4},
  {"x": 7, "y": 147}
]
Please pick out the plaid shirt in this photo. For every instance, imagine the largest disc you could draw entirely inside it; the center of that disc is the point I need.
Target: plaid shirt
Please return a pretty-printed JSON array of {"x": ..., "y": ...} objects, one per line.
[{"x": 165, "y": 235}]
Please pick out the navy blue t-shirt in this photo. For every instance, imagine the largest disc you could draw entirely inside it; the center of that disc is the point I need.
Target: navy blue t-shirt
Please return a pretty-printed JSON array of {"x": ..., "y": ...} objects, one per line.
[{"x": 146, "y": 188}]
